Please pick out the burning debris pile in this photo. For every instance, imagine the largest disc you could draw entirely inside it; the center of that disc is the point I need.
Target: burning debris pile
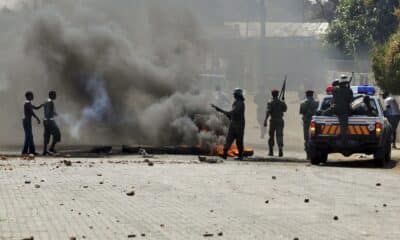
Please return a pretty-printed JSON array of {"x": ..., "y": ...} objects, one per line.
[{"x": 124, "y": 88}]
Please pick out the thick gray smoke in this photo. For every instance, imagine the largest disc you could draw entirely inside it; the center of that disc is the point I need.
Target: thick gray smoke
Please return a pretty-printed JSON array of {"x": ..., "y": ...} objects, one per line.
[{"x": 119, "y": 80}]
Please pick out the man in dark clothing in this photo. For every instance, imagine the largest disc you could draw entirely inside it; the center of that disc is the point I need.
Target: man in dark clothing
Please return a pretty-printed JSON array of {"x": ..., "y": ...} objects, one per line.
[
  {"x": 342, "y": 99},
  {"x": 275, "y": 109},
  {"x": 392, "y": 113},
  {"x": 308, "y": 109},
  {"x": 237, "y": 123},
  {"x": 29, "y": 144},
  {"x": 50, "y": 125}
]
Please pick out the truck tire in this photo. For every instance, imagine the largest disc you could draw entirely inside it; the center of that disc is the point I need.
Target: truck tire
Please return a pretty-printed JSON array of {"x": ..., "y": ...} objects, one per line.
[
  {"x": 383, "y": 155},
  {"x": 318, "y": 157}
]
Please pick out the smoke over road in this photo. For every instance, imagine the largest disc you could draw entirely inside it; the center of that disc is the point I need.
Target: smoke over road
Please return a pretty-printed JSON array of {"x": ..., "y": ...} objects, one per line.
[{"x": 121, "y": 79}]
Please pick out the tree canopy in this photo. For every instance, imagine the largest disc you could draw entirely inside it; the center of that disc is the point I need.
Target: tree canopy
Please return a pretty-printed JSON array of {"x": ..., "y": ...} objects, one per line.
[{"x": 359, "y": 24}]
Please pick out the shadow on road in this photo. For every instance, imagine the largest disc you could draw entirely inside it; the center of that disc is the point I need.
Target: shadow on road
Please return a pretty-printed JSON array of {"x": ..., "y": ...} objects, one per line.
[{"x": 368, "y": 163}]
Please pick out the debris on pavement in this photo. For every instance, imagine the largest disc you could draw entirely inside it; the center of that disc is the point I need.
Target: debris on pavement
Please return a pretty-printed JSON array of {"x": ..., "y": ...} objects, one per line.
[
  {"x": 130, "y": 193},
  {"x": 3, "y": 158},
  {"x": 205, "y": 159},
  {"x": 67, "y": 163},
  {"x": 28, "y": 238},
  {"x": 131, "y": 235},
  {"x": 306, "y": 200},
  {"x": 208, "y": 234},
  {"x": 220, "y": 234},
  {"x": 37, "y": 186},
  {"x": 273, "y": 177},
  {"x": 335, "y": 218},
  {"x": 27, "y": 181},
  {"x": 378, "y": 184}
]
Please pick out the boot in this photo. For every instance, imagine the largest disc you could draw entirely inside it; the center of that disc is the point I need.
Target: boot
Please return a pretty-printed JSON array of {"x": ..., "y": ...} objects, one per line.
[
  {"x": 280, "y": 152},
  {"x": 271, "y": 152}
]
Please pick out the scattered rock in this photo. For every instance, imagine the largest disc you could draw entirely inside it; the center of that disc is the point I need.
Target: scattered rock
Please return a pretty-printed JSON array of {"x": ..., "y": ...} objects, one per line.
[
  {"x": 101, "y": 182},
  {"x": 266, "y": 202},
  {"x": 306, "y": 200},
  {"x": 384, "y": 205},
  {"x": 91, "y": 227},
  {"x": 3, "y": 158},
  {"x": 208, "y": 235},
  {"x": 99, "y": 174},
  {"x": 335, "y": 218},
  {"x": 131, "y": 235},
  {"x": 85, "y": 186},
  {"x": 42, "y": 180},
  {"x": 37, "y": 186},
  {"x": 150, "y": 164},
  {"x": 130, "y": 193},
  {"x": 146, "y": 161},
  {"x": 143, "y": 235},
  {"x": 211, "y": 210},
  {"x": 27, "y": 181},
  {"x": 296, "y": 238},
  {"x": 220, "y": 234},
  {"x": 273, "y": 177},
  {"x": 72, "y": 238},
  {"x": 378, "y": 184},
  {"x": 29, "y": 238},
  {"x": 162, "y": 225},
  {"x": 67, "y": 163}
]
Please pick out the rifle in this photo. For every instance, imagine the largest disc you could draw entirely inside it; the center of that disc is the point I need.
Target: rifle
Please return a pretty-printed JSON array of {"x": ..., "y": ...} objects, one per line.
[
  {"x": 283, "y": 90},
  {"x": 351, "y": 78}
]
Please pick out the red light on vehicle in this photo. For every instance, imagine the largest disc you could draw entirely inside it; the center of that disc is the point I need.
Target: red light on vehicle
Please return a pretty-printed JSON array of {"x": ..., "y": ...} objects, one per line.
[
  {"x": 313, "y": 128},
  {"x": 378, "y": 128}
]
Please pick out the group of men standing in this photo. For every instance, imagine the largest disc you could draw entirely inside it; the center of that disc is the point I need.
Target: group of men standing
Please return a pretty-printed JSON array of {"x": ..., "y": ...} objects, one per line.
[{"x": 50, "y": 126}]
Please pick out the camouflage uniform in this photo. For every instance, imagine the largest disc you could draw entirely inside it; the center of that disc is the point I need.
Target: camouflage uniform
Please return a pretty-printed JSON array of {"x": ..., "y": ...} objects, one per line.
[
  {"x": 275, "y": 110},
  {"x": 308, "y": 108}
]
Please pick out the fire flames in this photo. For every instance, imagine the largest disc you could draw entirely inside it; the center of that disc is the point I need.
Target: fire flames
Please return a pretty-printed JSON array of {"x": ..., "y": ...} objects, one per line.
[{"x": 233, "y": 151}]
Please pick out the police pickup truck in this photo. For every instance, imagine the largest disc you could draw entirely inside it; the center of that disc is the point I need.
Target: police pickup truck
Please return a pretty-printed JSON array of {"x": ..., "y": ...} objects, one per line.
[{"x": 368, "y": 131}]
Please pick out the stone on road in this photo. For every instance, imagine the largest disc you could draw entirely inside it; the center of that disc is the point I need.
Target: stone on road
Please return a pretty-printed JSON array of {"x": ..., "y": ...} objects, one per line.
[{"x": 174, "y": 197}]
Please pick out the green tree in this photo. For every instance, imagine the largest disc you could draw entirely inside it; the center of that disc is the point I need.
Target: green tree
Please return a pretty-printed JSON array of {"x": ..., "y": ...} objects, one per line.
[
  {"x": 386, "y": 64},
  {"x": 359, "y": 24}
]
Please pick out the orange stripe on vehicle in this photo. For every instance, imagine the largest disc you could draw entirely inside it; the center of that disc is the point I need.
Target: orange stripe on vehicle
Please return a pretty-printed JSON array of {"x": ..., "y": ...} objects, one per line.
[
  {"x": 326, "y": 129},
  {"x": 365, "y": 130},
  {"x": 333, "y": 130},
  {"x": 337, "y": 130},
  {"x": 358, "y": 130},
  {"x": 352, "y": 132}
]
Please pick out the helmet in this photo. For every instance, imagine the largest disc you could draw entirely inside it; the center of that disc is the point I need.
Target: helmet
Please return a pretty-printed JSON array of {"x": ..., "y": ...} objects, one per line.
[
  {"x": 238, "y": 91},
  {"x": 344, "y": 79},
  {"x": 329, "y": 90}
]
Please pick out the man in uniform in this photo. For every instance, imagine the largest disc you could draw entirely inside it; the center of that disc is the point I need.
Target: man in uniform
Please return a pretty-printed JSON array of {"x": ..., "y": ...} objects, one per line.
[
  {"x": 308, "y": 108},
  {"x": 237, "y": 123},
  {"x": 275, "y": 110},
  {"x": 50, "y": 125},
  {"x": 392, "y": 113},
  {"x": 342, "y": 99}
]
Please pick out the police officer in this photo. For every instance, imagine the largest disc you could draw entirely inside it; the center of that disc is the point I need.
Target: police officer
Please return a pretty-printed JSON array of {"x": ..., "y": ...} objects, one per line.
[
  {"x": 29, "y": 144},
  {"x": 392, "y": 112},
  {"x": 237, "y": 123},
  {"x": 50, "y": 125},
  {"x": 308, "y": 108},
  {"x": 342, "y": 99},
  {"x": 275, "y": 110}
]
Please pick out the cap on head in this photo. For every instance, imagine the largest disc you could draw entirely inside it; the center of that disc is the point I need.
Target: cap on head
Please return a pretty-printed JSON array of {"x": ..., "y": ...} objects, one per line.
[
  {"x": 52, "y": 95},
  {"x": 29, "y": 95},
  {"x": 309, "y": 93},
  {"x": 335, "y": 83},
  {"x": 275, "y": 92}
]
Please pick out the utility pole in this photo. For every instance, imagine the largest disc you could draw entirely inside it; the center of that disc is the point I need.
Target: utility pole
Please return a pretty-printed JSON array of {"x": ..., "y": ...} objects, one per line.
[{"x": 263, "y": 19}]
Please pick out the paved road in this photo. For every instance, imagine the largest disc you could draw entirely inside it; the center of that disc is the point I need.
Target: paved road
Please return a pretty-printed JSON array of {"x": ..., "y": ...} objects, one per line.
[{"x": 179, "y": 198}]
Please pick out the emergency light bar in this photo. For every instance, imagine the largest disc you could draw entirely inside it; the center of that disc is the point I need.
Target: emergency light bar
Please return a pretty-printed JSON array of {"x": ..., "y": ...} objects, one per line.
[{"x": 369, "y": 90}]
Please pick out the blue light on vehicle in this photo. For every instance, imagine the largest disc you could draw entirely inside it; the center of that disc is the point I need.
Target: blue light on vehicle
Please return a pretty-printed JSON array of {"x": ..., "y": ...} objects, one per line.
[{"x": 369, "y": 90}]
